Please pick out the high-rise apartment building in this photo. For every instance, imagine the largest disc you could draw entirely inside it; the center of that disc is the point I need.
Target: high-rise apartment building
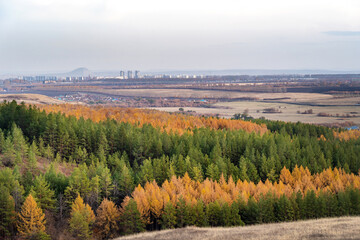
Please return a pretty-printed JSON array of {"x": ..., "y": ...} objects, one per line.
[
  {"x": 137, "y": 74},
  {"x": 122, "y": 74},
  {"x": 129, "y": 74}
]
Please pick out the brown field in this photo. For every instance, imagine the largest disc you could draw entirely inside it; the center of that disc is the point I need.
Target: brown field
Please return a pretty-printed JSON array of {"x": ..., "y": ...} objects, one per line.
[
  {"x": 328, "y": 228},
  {"x": 288, "y": 111},
  {"x": 296, "y": 98},
  {"x": 189, "y": 93},
  {"x": 288, "y": 103},
  {"x": 30, "y": 98}
]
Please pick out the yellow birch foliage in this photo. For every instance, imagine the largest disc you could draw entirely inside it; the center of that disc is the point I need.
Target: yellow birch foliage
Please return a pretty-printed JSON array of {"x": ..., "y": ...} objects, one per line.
[{"x": 31, "y": 218}]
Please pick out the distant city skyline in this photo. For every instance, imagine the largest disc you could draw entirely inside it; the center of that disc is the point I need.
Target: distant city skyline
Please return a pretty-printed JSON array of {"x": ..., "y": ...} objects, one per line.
[{"x": 159, "y": 35}]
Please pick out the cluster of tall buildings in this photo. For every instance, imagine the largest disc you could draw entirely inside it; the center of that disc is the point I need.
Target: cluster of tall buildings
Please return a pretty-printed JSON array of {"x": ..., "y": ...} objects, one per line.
[
  {"x": 52, "y": 78},
  {"x": 129, "y": 74},
  {"x": 39, "y": 78}
]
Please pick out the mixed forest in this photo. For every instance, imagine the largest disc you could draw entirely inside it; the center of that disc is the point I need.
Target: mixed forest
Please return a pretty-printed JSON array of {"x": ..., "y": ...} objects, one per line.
[{"x": 98, "y": 173}]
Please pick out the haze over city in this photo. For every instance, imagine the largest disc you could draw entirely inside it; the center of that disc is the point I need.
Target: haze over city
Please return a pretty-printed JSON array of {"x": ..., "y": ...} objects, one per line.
[{"x": 49, "y": 35}]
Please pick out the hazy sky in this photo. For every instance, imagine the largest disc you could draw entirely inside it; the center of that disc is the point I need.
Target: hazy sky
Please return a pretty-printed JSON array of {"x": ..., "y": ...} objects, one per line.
[{"x": 56, "y": 35}]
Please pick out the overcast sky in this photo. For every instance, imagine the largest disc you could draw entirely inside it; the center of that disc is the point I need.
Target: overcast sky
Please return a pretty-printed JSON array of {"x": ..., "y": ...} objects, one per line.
[{"x": 60, "y": 35}]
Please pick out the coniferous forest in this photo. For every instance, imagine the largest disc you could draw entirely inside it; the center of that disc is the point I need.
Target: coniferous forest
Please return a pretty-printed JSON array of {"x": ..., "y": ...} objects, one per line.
[{"x": 99, "y": 173}]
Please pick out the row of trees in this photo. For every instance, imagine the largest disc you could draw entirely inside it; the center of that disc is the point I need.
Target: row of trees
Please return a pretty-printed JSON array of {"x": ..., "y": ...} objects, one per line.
[
  {"x": 109, "y": 221},
  {"x": 268, "y": 208},
  {"x": 152, "y": 198},
  {"x": 170, "y": 122}
]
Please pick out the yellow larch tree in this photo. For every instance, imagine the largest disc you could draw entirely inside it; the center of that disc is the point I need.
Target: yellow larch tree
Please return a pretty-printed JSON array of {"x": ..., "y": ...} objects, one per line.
[
  {"x": 31, "y": 218},
  {"x": 106, "y": 223}
]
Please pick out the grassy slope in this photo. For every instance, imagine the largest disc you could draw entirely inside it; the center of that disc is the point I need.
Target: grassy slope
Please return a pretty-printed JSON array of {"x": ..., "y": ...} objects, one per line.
[
  {"x": 29, "y": 98},
  {"x": 328, "y": 228}
]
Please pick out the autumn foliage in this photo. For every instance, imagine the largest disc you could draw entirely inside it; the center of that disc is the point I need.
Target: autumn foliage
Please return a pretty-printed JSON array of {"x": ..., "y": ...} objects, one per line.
[
  {"x": 151, "y": 199},
  {"x": 347, "y": 135},
  {"x": 31, "y": 218},
  {"x": 167, "y": 121},
  {"x": 106, "y": 224}
]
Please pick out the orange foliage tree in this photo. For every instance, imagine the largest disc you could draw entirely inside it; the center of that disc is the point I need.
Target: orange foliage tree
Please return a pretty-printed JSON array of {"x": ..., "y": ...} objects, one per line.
[
  {"x": 170, "y": 122},
  {"x": 106, "y": 223},
  {"x": 347, "y": 135},
  {"x": 31, "y": 218},
  {"x": 151, "y": 198}
]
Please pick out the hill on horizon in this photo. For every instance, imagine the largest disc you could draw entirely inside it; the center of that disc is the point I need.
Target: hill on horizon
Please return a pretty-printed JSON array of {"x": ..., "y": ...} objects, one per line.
[{"x": 80, "y": 72}]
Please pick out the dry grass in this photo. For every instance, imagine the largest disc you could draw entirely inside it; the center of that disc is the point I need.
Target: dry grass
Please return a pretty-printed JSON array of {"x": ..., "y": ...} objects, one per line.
[
  {"x": 288, "y": 111},
  {"x": 30, "y": 98},
  {"x": 329, "y": 228},
  {"x": 189, "y": 93}
]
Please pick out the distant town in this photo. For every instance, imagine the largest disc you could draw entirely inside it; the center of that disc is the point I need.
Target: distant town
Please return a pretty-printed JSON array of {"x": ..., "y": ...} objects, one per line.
[{"x": 132, "y": 88}]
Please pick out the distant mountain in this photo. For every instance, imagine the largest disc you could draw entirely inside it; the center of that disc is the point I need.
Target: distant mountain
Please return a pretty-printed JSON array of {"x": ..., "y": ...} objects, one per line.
[{"x": 79, "y": 72}]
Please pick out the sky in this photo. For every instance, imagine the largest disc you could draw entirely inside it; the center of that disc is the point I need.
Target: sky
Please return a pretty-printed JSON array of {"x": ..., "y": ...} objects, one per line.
[{"x": 60, "y": 35}]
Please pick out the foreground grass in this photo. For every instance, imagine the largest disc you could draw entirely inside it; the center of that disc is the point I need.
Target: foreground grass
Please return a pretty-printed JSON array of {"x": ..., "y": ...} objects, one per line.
[{"x": 327, "y": 228}]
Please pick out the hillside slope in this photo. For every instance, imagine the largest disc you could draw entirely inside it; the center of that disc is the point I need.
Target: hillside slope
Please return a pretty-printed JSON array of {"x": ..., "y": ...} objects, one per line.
[
  {"x": 30, "y": 98},
  {"x": 328, "y": 228}
]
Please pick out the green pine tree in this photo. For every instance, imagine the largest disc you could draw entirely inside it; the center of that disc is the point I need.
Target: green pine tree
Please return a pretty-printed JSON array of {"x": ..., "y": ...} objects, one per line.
[
  {"x": 7, "y": 213},
  {"x": 130, "y": 219},
  {"x": 42, "y": 193},
  {"x": 168, "y": 218}
]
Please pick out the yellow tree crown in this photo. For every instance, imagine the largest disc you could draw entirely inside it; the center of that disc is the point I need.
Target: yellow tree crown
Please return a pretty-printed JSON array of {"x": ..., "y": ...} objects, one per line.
[{"x": 31, "y": 217}]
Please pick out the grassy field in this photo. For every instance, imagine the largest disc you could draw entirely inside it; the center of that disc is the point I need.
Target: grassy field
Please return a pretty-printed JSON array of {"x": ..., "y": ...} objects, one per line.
[
  {"x": 287, "y": 111},
  {"x": 288, "y": 104},
  {"x": 198, "y": 94},
  {"x": 329, "y": 228},
  {"x": 30, "y": 98}
]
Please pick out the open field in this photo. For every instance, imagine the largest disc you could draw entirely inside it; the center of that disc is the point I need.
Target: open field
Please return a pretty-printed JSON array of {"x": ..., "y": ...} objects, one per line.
[
  {"x": 287, "y": 105},
  {"x": 288, "y": 111},
  {"x": 330, "y": 228},
  {"x": 190, "y": 93},
  {"x": 30, "y": 98},
  {"x": 298, "y": 98}
]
